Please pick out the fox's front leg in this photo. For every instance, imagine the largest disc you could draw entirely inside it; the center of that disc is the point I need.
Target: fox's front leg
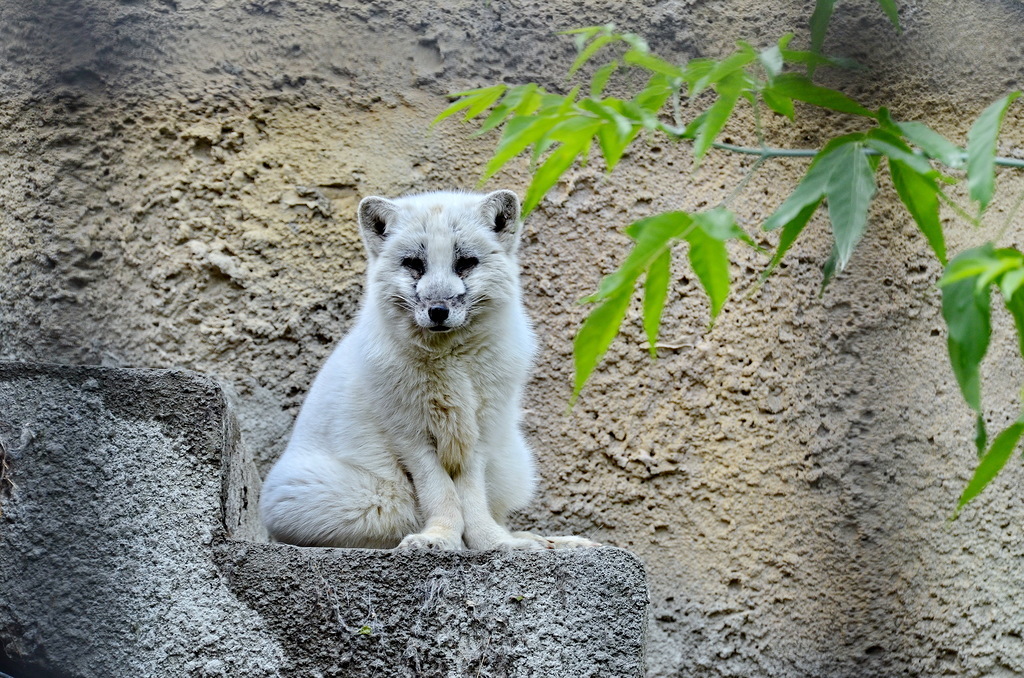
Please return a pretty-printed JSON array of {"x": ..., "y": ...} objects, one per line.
[
  {"x": 437, "y": 500},
  {"x": 482, "y": 531}
]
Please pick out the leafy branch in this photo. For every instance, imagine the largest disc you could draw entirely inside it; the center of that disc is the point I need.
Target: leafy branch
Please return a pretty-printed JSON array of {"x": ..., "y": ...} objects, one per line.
[{"x": 557, "y": 130}]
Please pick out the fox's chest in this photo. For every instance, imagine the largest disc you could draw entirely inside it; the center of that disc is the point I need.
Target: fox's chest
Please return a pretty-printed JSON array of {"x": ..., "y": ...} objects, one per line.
[{"x": 451, "y": 402}]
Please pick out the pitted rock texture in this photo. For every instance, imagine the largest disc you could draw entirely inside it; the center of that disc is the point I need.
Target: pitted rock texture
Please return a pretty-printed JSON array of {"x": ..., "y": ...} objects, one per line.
[
  {"x": 181, "y": 188},
  {"x": 115, "y": 481},
  {"x": 572, "y": 613},
  {"x": 123, "y": 504}
]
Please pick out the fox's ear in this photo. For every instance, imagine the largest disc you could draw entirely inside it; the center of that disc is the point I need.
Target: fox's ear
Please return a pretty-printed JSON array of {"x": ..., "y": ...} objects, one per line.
[
  {"x": 376, "y": 221},
  {"x": 501, "y": 209}
]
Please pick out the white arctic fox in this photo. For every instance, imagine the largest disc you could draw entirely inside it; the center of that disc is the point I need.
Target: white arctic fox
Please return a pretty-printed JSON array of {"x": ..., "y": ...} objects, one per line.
[{"x": 410, "y": 433}]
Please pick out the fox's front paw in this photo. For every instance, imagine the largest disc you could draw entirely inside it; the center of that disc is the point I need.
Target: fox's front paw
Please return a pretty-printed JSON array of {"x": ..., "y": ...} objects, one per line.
[
  {"x": 517, "y": 544},
  {"x": 566, "y": 542},
  {"x": 431, "y": 540}
]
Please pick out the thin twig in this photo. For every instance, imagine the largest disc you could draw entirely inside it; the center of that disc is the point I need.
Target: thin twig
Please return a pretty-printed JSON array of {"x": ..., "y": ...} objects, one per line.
[
  {"x": 1009, "y": 218},
  {"x": 743, "y": 183}
]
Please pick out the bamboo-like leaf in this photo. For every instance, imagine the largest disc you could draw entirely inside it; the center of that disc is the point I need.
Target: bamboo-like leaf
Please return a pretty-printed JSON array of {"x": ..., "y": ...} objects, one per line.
[
  {"x": 473, "y": 101},
  {"x": 991, "y": 463},
  {"x": 652, "y": 63},
  {"x": 813, "y": 185},
  {"x": 596, "y": 335},
  {"x": 520, "y": 100},
  {"x": 1015, "y": 305},
  {"x": 655, "y": 293},
  {"x": 589, "y": 51},
  {"x": 720, "y": 224},
  {"x": 782, "y": 105},
  {"x": 850, "y": 189},
  {"x": 653, "y": 235},
  {"x": 967, "y": 316},
  {"x": 600, "y": 79},
  {"x": 829, "y": 269},
  {"x": 710, "y": 261},
  {"x": 798, "y": 87},
  {"x": 728, "y": 93},
  {"x": 920, "y": 195},
  {"x": 894, "y": 148},
  {"x": 719, "y": 70},
  {"x": 933, "y": 144},
  {"x": 981, "y": 150},
  {"x": 556, "y": 164},
  {"x": 819, "y": 24},
  {"x": 790, "y": 232},
  {"x": 519, "y": 134},
  {"x": 892, "y": 12},
  {"x": 613, "y": 141},
  {"x": 1009, "y": 285},
  {"x": 654, "y": 96}
]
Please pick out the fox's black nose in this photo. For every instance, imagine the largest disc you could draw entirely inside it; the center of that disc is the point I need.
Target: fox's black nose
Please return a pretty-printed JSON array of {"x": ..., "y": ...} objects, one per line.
[{"x": 438, "y": 314}]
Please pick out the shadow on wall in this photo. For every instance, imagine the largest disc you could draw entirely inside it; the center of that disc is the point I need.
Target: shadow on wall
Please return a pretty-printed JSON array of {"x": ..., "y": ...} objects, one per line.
[{"x": 78, "y": 46}]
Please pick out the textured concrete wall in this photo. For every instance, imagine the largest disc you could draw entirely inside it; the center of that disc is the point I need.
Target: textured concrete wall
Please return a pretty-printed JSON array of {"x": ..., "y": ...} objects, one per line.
[
  {"x": 123, "y": 503},
  {"x": 180, "y": 191}
]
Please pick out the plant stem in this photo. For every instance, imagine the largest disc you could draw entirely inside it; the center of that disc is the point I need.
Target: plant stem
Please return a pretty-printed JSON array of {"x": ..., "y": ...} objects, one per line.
[{"x": 768, "y": 152}]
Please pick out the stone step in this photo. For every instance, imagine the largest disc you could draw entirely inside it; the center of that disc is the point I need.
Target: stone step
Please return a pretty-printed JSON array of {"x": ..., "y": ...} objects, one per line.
[{"x": 129, "y": 546}]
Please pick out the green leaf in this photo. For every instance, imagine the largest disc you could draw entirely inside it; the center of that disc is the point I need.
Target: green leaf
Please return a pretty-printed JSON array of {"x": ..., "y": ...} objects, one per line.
[
  {"x": 981, "y": 150},
  {"x": 655, "y": 293},
  {"x": 652, "y": 63},
  {"x": 519, "y": 133},
  {"x": 790, "y": 232},
  {"x": 556, "y": 164},
  {"x": 850, "y": 189},
  {"x": 613, "y": 141},
  {"x": 473, "y": 101},
  {"x": 1009, "y": 285},
  {"x": 920, "y": 195},
  {"x": 589, "y": 51},
  {"x": 653, "y": 235},
  {"x": 710, "y": 261},
  {"x": 728, "y": 93},
  {"x": 521, "y": 100},
  {"x": 891, "y": 11},
  {"x": 782, "y": 105},
  {"x": 720, "y": 224},
  {"x": 928, "y": 140},
  {"x": 720, "y": 70},
  {"x": 1015, "y": 305},
  {"x": 798, "y": 87},
  {"x": 892, "y": 147},
  {"x": 828, "y": 271},
  {"x": 588, "y": 31},
  {"x": 596, "y": 335},
  {"x": 993, "y": 462},
  {"x": 653, "y": 97},
  {"x": 813, "y": 185},
  {"x": 968, "y": 317},
  {"x": 819, "y": 24},
  {"x": 600, "y": 79}
]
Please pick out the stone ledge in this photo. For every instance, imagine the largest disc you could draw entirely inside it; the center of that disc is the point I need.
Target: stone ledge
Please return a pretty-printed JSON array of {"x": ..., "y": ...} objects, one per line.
[
  {"x": 398, "y": 613},
  {"x": 119, "y": 556}
]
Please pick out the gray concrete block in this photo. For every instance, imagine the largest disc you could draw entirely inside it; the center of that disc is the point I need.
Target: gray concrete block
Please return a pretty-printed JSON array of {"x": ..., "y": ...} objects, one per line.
[
  {"x": 126, "y": 549},
  {"x": 469, "y": 613}
]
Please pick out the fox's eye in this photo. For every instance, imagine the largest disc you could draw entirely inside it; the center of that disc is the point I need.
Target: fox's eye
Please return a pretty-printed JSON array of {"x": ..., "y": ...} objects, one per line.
[
  {"x": 464, "y": 264},
  {"x": 415, "y": 264}
]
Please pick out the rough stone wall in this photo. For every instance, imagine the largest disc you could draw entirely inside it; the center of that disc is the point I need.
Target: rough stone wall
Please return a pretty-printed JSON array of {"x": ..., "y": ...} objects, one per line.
[{"x": 180, "y": 185}]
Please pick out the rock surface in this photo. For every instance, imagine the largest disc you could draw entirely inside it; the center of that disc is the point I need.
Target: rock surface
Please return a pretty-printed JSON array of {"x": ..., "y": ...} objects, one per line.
[{"x": 123, "y": 503}]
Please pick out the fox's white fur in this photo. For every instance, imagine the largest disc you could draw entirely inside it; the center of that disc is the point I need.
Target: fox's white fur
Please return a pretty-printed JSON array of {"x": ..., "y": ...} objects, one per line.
[{"x": 410, "y": 433}]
